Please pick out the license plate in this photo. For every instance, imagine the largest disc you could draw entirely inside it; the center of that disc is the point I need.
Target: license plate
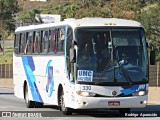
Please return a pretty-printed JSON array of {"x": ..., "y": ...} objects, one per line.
[{"x": 114, "y": 103}]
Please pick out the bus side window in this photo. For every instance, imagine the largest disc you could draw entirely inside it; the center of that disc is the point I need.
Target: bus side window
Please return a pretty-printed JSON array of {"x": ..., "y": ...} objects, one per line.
[
  {"x": 44, "y": 41},
  {"x": 26, "y": 46},
  {"x": 60, "y": 42},
  {"x": 38, "y": 42},
  {"x": 34, "y": 42},
  {"x": 41, "y": 42},
  {"x": 51, "y": 40},
  {"x": 36, "y": 39},
  {"x": 22, "y": 43},
  {"x": 56, "y": 40},
  {"x": 16, "y": 42},
  {"x": 29, "y": 42},
  {"x": 55, "y": 37}
]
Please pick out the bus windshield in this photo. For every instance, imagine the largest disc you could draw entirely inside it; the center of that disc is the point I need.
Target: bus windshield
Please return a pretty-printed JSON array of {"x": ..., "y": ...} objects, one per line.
[{"x": 111, "y": 55}]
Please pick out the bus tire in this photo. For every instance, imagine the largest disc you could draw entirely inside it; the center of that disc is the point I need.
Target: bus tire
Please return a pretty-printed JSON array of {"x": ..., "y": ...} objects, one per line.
[
  {"x": 29, "y": 103},
  {"x": 123, "y": 111},
  {"x": 65, "y": 110}
]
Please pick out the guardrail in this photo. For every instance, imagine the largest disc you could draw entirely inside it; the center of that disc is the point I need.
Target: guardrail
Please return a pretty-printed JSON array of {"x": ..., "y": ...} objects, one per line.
[
  {"x": 154, "y": 75},
  {"x": 6, "y": 71}
]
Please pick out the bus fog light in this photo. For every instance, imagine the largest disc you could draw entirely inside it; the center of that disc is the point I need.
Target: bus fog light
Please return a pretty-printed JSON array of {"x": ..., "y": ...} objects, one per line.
[
  {"x": 82, "y": 103},
  {"x": 143, "y": 102}
]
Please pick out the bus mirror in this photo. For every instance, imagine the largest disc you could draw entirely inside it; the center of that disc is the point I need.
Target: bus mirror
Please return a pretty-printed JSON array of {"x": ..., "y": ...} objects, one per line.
[
  {"x": 71, "y": 77},
  {"x": 72, "y": 55},
  {"x": 152, "y": 57},
  {"x": 147, "y": 44}
]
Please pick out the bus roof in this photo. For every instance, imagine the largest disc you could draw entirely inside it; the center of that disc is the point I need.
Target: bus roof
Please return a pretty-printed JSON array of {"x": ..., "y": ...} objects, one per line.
[{"x": 84, "y": 22}]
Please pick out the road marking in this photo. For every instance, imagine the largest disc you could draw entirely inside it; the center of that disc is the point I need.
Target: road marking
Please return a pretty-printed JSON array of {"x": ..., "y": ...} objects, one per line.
[
  {"x": 7, "y": 106},
  {"x": 2, "y": 107}
]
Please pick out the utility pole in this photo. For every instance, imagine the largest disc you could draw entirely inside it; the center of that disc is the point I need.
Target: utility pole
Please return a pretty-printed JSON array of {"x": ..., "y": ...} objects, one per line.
[
  {"x": 1, "y": 37},
  {"x": 1, "y": 50}
]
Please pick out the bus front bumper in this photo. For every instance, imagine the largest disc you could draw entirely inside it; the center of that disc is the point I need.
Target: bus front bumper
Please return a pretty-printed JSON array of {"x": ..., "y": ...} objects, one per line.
[{"x": 116, "y": 102}]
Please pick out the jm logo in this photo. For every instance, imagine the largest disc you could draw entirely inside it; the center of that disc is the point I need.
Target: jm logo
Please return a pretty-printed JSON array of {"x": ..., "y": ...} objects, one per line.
[{"x": 141, "y": 87}]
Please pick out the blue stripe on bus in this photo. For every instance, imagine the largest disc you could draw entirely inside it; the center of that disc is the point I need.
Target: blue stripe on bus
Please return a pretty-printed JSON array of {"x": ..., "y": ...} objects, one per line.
[
  {"x": 28, "y": 65},
  {"x": 39, "y": 96},
  {"x": 127, "y": 90}
]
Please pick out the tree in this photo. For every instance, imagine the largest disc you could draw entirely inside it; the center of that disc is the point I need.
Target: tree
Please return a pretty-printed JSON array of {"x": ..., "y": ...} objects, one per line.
[
  {"x": 71, "y": 11},
  {"x": 8, "y": 9},
  {"x": 151, "y": 21}
]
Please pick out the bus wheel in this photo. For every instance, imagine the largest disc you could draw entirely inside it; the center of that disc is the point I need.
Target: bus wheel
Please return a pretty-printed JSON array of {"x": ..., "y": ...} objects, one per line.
[
  {"x": 124, "y": 111},
  {"x": 65, "y": 110},
  {"x": 29, "y": 103}
]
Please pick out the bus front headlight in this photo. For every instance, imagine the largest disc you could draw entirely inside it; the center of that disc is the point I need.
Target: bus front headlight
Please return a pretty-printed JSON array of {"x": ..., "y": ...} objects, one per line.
[
  {"x": 86, "y": 94},
  {"x": 140, "y": 93}
]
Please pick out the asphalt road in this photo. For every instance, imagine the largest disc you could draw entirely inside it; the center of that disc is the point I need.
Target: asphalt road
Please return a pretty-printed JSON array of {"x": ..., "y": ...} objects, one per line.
[{"x": 12, "y": 108}]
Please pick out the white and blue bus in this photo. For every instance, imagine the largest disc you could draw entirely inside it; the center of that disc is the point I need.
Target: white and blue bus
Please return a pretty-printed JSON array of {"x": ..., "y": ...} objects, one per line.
[{"x": 86, "y": 63}]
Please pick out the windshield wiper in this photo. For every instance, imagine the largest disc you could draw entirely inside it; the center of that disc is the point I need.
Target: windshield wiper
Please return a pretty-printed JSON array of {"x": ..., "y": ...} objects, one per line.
[
  {"x": 105, "y": 69},
  {"x": 124, "y": 73}
]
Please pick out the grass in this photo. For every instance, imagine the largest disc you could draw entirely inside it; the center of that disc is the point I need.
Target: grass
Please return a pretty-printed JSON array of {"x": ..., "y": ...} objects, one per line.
[{"x": 6, "y": 57}]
